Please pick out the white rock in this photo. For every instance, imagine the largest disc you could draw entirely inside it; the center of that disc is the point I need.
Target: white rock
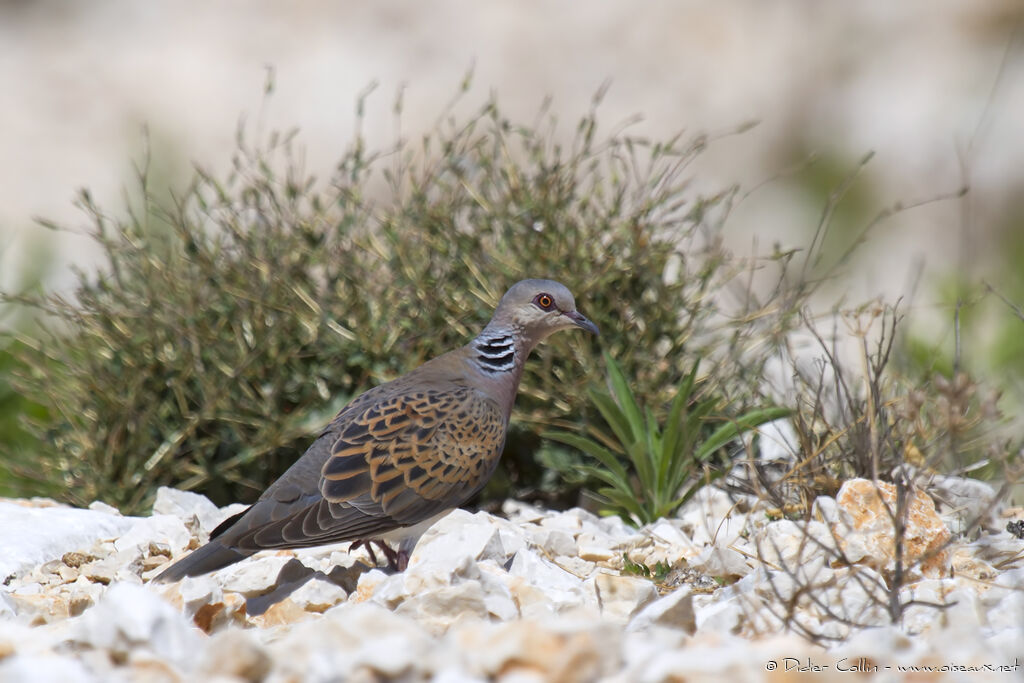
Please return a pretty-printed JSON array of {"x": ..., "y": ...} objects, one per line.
[
  {"x": 197, "y": 591},
  {"x": 721, "y": 661},
  {"x": 1000, "y": 549},
  {"x": 597, "y": 547},
  {"x": 439, "y": 570},
  {"x": 616, "y": 528},
  {"x": 723, "y": 616},
  {"x": 668, "y": 532},
  {"x": 722, "y": 562},
  {"x": 236, "y": 654},
  {"x": 959, "y": 609},
  {"x": 521, "y": 513},
  {"x": 825, "y": 509},
  {"x": 785, "y": 544},
  {"x": 860, "y": 596},
  {"x": 351, "y": 641},
  {"x": 459, "y": 535},
  {"x": 321, "y": 557},
  {"x": 125, "y": 565},
  {"x": 453, "y": 675},
  {"x": 129, "y": 618},
  {"x": 100, "y": 506},
  {"x": 253, "y": 575},
  {"x": 572, "y": 647},
  {"x": 441, "y": 607},
  {"x": 712, "y": 517},
  {"x": 886, "y": 644},
  {"x": 165, "y": 530},
  {"x": 383, "y": 589},
  {"x": 31, "y": 536},
  {"x": 318, "y": 594},
  {"x": 963, "y": 500},
  {"x": 779, "y": 442},
  {"x": 870, "y": 538},
  {"x": 620, "y": 597},
  {"x": 1005, "y": 645},
  {"x": 563, "y": 522},
  {"x": 17, "y": 636},
  {"x": 576, "y": 566},
  {"x": 543, "y": 587},
  {"x": 458, "y": 614},
  {"x": 513, "y": 537},
  {"x": 554, "y": 541},
  {"x": 48, "y": 668},
  {"x": 674, "y": 610},
  {"x": 7, "y": 606},
  {"x": 497, "y": 596},
  {"x": 642, "y": 646},
  {"x": 596, "y": 553},
  {"x": 186, "y": 506},
  {"x": 740, "y": 608}
]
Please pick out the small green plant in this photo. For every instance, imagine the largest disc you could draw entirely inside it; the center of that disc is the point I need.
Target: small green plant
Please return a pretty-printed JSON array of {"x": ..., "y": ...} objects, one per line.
[
  {"x": 661, "y": 466},
  {"x": 657, "y": 573}
]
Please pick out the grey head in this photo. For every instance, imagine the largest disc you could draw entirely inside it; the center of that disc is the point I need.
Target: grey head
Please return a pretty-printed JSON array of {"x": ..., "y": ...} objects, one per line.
[{"x": 535, "y": 309}]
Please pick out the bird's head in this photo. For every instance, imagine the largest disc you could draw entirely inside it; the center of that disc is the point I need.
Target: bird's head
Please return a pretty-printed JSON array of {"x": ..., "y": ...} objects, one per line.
[{"x": 537, "y": 309}]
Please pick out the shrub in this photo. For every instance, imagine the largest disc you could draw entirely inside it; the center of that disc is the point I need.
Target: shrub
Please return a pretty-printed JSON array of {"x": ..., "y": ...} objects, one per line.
[{"x": 230, "y": 324}]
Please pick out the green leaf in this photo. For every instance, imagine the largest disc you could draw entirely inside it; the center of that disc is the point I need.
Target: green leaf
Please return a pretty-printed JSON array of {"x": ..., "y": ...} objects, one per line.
[
  {"x": 621, "y": 485},
  {"x": 674, "y": 422},
  {"x": 624, "y": 396},
  {"x": 626, "y": 503},
  {"x": 614, "y": 416},
  {"x": 735, "y": 427},
  {"x": 602, "y": 454}
]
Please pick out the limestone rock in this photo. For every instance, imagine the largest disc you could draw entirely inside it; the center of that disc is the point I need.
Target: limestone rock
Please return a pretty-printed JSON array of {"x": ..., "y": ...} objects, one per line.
[
  {"x": 541, "y": 587},
  {"x": 534, "y": 597},
  {"x": 620, "y": 597},
  {"x": 711, "y": 517},
  {"x": 31, "y": 536},
  {"x": 460, "y": 534},
  {"x": 194, "y": 510},
  {"x": 48, "y": 668},
  {"x": 785, "y": 545},
  {"x": 567, "y": 649},
  {"x": 963, "y": 500},
  {"x": 721, "y": 562},
  {"x": 674, "y": 610},
  {"x": 870, "y": 536},
  {"x": 318, "y": 594},
  {"x": 254, "y": 575},
  {"x": 165, "y": 530},
  {"x": 236, "y": 654},
  {"x": 129, "y": 618}
]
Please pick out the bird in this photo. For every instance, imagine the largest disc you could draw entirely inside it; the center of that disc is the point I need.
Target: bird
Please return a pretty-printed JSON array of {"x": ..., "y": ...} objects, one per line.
[{"x": 403, "y": 454}]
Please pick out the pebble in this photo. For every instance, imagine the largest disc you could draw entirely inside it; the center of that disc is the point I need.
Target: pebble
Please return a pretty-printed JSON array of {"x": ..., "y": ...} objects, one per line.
[{"x": 536, "y": 596}]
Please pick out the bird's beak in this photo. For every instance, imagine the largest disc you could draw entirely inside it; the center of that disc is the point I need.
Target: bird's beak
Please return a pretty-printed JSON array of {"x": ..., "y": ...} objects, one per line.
[{"x": 580, "y": 320}]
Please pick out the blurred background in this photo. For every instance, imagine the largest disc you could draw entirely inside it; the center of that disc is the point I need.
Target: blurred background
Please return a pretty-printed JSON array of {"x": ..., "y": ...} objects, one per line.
[{"x": 933, "y": 88}]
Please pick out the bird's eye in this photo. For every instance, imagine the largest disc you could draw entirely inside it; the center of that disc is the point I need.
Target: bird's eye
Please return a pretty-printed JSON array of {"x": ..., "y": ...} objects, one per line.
[{"x": 544, "y": 302}]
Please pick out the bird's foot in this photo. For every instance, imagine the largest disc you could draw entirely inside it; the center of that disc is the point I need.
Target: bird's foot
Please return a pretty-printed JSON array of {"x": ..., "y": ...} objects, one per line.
[{"x": 398, "y": 560}]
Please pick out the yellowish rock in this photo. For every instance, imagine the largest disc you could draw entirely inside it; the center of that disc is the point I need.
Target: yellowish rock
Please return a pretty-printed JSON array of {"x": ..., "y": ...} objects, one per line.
[{"x": 872, "y": 511}]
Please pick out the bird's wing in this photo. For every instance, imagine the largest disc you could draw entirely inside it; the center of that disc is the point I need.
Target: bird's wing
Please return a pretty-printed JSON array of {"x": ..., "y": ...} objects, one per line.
[
  {"x": 415, "y": 454},
  {"x": 391, "y": 463}
]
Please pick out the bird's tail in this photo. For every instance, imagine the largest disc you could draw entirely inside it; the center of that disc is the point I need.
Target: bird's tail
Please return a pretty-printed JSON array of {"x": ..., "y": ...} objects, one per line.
[{"x": 210, "y": 557}]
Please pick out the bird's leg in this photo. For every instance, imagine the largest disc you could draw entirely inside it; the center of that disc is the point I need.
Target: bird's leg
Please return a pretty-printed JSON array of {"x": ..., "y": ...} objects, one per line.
[
  {"x": 369, "y": 549},
  {"x": 398, "y": 560}
]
